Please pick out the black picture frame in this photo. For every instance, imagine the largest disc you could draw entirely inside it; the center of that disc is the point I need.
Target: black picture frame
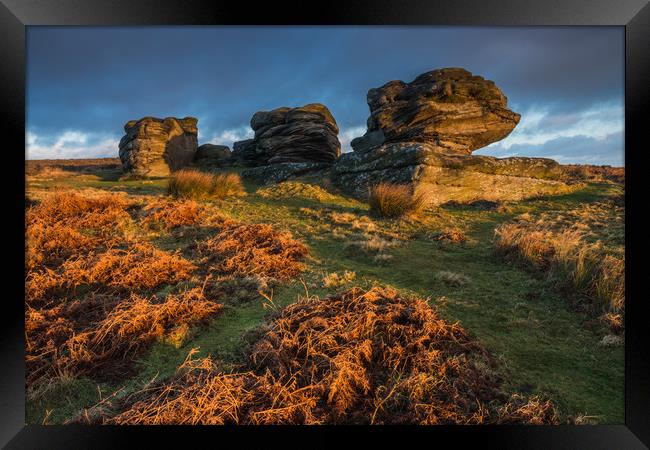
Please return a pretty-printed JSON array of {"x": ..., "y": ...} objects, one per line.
[{"x": 633, "y": 15}]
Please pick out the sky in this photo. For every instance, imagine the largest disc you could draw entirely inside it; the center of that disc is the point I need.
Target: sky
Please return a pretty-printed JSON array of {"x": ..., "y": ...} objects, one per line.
[{"x": 85, "y": 83}]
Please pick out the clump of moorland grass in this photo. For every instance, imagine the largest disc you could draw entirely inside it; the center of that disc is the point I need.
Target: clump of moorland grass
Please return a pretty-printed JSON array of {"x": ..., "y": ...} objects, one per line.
[
  {"x": 236, "y": 290},
  {"x": 373, "y": 245},
  {"x": 396, "y": 200},
  {"x": 452, "y": 278},
  {"x": 360, "y": 357},
  {"x": 335, "y": 280},
  {"x": 569, "y": 259},
  {"x": 194, "y": 184},
  {"x": 450, "y": 234}
]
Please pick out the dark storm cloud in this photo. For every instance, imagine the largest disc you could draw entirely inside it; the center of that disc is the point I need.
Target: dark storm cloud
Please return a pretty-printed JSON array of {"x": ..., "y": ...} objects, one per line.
[{"x": 90, "y": 81}]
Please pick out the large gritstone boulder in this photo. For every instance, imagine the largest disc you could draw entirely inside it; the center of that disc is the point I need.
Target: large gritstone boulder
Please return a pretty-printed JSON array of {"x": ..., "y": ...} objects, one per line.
[
  {"x": 449, "y": 108},
  {"x": 423, "y": 133},
  {"x": 155, "y": 147},
  {"x": 447, "y": 175},
  {"x": 307, "y": 134}
]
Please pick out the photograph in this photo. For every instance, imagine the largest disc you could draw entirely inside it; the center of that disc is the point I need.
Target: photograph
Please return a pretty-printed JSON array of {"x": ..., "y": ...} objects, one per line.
[{"x": 325, "y": 225}]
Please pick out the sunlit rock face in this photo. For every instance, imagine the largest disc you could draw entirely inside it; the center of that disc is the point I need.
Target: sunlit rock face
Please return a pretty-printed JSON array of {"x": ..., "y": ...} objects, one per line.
[
  {"x": 449, "y": 108},
  {"x": 155, "y": 147},
  {"x": 447, "y": 175},
  {"x": 423, "y": 133},
  {"x": 308, "y": 134}
]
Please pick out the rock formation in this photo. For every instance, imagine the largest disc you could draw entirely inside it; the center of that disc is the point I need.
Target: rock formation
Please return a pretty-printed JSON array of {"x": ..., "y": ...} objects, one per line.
[
  {"x": 290, "y": 141},
  {"x": 155, "y": 147},
  {"x": 424, "y": 132},
  {"x": 245, "y": 152},
  {"x": 447, "y": 175},
  {"x": 449, "y": 108},
  {"x": 212, "y": 154}
]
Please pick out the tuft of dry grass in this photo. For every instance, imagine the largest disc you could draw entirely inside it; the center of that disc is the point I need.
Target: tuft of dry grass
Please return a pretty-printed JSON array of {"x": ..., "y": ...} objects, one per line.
[
  {"x": 450, "y": 234},
  {"x": 336, "y": 280},
  {"x": 370, "y": 243},
  {"x": 227, "y": 184},
  {"x": 564, "y": 253},
  {"x": 452, "y": 278},
  {"x": 188, "y": 183},
  {"x": 361, "y": 357},
  {"x": 396, "y": 200},
  {"x": 194, "y": 184}
]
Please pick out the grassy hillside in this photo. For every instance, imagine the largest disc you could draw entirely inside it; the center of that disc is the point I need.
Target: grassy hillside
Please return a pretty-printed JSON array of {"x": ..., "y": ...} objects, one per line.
[{"x": 543, "y": 341}]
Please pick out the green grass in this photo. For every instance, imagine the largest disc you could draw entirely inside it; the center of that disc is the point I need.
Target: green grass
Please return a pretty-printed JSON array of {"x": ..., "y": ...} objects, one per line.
[{"x": 540, "y": 342}]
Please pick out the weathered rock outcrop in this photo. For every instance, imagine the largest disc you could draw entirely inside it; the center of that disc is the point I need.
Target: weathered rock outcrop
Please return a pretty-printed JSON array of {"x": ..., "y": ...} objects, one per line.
[
  {"x": 212, "y": 154},
  {"x": 448, "y": 175},
  {"x": 449, "y": 108},
  {"x": 245, "y": 152},
  {"x": 307, "y": 134},
  {"x": 423, "y": 133},
  {"x": 155, "y": 147}
]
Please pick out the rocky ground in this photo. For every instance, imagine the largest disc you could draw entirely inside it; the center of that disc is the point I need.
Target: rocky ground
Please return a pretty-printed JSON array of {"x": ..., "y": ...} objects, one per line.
[{"x": 540, "y": 343}]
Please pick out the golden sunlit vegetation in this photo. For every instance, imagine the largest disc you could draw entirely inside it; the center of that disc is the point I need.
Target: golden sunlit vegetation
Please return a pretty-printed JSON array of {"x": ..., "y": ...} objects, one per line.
[
  {"x": 253, "y": 249},
  {"x": 395, "y": 200},
  {"x": 357, "y": 358},
  {"x": 581, "y": 249},
  {"x": 195, "y": 184},
  {"x": 91, "y": 307},
  {"x": 297, "y": 304}
]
